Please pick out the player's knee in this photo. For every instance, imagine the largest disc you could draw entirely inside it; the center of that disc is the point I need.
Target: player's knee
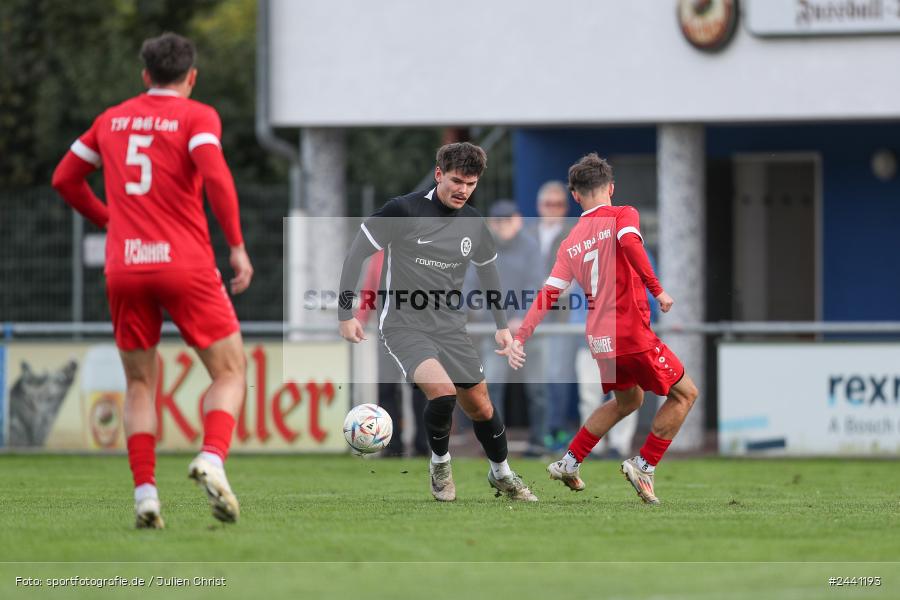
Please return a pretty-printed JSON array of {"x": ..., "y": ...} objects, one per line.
[
  {"x": 692, "y": 392},
  {"x": 236, "y": 378},
  {"x": 442, "y": 405},
  {"x": 439, "y": 414},
  {"x": 686, "y": 393},
  {"x": 483, "y": 412},
  {"x": 139, "y": 387},
  {"x": 139, "y": 376},
  {"x": 629, "y": 405},
  {"x": 445, "y": 389},
  {"x": 232, "y": 366}
]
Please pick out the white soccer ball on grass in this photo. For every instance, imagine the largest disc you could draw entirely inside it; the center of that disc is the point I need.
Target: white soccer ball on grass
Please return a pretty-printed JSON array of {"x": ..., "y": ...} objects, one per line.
[{"x": 368, "y": 428}]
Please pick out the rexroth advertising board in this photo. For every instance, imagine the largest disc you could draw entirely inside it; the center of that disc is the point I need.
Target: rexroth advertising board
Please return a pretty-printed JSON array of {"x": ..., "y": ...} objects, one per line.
[{"x": 831, "y": 398}]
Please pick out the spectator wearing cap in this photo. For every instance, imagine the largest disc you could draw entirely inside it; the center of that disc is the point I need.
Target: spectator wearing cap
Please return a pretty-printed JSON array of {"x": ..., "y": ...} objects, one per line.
[
  {"x": 517, "y": 254},
  {"x": 551, "y": 228}
]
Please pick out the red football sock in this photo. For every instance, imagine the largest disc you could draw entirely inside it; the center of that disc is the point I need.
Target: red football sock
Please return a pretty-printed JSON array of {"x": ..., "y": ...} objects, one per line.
[
  {"x": 217, "y": 428},
  {"x": 582, "y": 444},
  {"x": 142, "y": 458},
  {"x": 653, "y": 449}
]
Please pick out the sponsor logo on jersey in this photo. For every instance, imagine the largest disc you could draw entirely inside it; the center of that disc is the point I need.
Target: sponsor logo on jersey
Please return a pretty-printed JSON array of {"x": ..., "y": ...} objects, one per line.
[
  {"x": 465, "y": 246},
  {"x": 426, "y": 262},
  {"x": 421, "y": 241},
  {"x": 139, "y": 252},
  {"x": 600, "y": 345}
]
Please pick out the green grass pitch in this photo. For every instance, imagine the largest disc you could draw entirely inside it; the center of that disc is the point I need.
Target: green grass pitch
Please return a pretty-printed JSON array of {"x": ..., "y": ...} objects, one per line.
[{"x": 343, "y": 527}]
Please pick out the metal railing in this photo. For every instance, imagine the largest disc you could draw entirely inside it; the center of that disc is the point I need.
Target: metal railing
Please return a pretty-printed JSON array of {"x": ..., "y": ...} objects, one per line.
[{"x": 726, "y": 329}]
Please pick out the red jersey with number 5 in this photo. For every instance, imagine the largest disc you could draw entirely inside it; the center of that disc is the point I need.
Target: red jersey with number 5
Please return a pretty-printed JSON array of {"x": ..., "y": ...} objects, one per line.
[
  {"x": 618, "y": 319},
  {"x": 152, "y": 187}
]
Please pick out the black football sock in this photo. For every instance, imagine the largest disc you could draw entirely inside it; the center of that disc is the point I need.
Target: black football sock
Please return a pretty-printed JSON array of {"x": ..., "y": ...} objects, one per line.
[
  {"x": 438, "y": 420},
  {"x": 492, "y": 435}
]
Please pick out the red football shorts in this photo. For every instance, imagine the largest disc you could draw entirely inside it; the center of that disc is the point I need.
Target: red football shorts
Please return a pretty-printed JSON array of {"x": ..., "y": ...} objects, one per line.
[
  {"x": 195, "y": 299},
  {"x": 656, "y": 370}
]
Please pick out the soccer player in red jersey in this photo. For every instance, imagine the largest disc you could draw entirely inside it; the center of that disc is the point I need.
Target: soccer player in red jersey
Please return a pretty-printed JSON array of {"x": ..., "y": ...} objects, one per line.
[
  {"x": 157, "y": 150},
  {"x": 630, "y": 356}
]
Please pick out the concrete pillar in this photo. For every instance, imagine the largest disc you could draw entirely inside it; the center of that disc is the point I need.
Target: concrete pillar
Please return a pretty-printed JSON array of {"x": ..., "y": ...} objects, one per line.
[
  {"x": 324, "y": 158},
  {"x": 323, "y": 155},
  {"x": 681, "y": 175}
]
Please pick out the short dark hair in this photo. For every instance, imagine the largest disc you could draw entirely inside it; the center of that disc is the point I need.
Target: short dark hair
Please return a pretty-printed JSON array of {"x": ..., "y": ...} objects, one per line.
[
  {"x": 589, "y": 173},
  {"x": 168, "y": 58},
  {"x": 464, "y": 157}
]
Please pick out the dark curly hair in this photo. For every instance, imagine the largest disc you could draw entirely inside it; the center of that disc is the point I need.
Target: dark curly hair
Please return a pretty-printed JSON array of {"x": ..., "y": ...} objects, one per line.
[
  {"x": 464, "y": 157},
  {"x": 589, "y": 173},
  {"x": 168, "y": 58}
]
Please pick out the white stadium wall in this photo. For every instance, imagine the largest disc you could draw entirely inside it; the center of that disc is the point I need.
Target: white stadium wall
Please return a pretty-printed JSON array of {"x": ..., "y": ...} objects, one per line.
[{"x": 423, "y": 62}]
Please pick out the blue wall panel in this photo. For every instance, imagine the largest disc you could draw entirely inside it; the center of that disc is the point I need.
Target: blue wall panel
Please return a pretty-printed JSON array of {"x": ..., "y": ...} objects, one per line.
[{"x": 861, "y": 215}]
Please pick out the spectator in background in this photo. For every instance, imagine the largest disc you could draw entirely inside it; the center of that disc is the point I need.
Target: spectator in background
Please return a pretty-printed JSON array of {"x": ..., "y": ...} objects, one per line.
[
  {"x": 516, "y": 252},
  {"x": 617, "y": 443},
  {"x": 550, "y": 229}
]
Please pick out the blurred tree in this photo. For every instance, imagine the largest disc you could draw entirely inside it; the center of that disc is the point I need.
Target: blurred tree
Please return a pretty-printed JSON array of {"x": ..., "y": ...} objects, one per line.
[
  {"x": 226, "y": 44},
  {"x": 61, "y": 63},
  {"x": 392, "y": 160}
]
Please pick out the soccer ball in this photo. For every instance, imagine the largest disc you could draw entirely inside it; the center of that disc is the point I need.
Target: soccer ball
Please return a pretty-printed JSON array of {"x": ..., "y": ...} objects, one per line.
[{"x": 368, "y": 428}]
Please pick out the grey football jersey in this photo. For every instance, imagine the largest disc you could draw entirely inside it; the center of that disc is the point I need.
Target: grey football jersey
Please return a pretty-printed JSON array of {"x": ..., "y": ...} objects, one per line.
[{"x": 428, "y": 248}]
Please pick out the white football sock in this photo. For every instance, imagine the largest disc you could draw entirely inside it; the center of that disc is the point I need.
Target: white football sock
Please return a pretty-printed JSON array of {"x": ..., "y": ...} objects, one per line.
[
  {"x": 440, "y": 459},
  {"x": 644, "y": 466},
  {"x": 500, "y": 469},
  {"x": 144, "y": 491},
  {"x": 213, "y": 459},
  {"x": 570, "y": 462}
]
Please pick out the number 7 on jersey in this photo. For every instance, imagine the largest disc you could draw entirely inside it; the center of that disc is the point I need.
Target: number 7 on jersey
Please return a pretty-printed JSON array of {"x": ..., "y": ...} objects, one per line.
[{"x": 594, "y": 256}]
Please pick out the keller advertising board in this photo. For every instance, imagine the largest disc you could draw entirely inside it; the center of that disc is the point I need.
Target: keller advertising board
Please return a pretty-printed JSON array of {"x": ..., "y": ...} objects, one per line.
[{"x": 66, "y": 396}]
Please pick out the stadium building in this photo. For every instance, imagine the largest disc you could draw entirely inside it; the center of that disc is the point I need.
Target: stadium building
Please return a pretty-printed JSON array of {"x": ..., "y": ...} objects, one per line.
[{"x": 758, "y": 139}]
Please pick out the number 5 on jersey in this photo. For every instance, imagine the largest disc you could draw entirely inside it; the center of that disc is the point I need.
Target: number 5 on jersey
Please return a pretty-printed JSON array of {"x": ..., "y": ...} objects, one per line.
[{"x": 136, "y": 159}]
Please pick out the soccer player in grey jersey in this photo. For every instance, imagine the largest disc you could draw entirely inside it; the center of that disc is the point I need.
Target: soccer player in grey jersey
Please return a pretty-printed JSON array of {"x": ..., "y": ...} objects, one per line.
[{"x": 429, "y": 239}]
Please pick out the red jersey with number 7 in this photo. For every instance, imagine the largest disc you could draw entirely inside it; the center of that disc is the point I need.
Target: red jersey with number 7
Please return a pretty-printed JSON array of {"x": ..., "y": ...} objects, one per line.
[
  {"x": 152, "y": 187},
  {"x": 595, "y": 255}
]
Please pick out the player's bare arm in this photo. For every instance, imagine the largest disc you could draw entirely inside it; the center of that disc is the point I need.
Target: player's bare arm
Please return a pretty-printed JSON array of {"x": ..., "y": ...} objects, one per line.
[
  {"x": 352, "y": 330},
  {"x": 665, "y": 301},
  {"x": 490, "y": 281},
  {"x": 514, "y": 353},
  {"x": 504, "y": 339},
  {"x": 547, "y": 297},
  {"x": 243, "y": 269}
]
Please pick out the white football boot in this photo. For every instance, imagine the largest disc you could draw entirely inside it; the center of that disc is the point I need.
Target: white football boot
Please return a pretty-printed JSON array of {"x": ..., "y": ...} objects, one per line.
[
  {"x": 212, "y": 480},
  {"x": 442, "y": 487},
  {"x": 641, "y": 481},
  {"x": 512, "y": 486},
  {"x": 146, "y": 514},
  {"x": 571, "y": 480}
]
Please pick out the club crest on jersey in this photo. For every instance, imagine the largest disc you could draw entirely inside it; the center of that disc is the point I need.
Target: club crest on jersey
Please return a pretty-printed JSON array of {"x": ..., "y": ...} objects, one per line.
[{"x": 465, "y": 246}]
